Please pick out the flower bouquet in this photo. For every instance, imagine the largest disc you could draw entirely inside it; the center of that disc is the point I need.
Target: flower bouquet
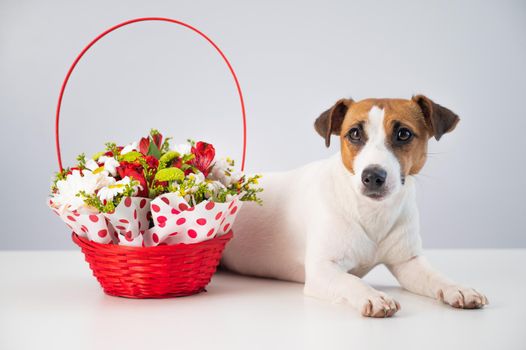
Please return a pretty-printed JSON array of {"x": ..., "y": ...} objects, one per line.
[
  {"x": 147, "y": 194},
  {"x": 124, "y": 203}
]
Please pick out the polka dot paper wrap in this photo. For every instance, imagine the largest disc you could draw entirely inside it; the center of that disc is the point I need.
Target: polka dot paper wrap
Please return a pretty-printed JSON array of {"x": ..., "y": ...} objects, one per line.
[
  {"x": 174, "y": 221},
  {"x": 130, "y": 220},
  {"x": 88, "y": 224}
]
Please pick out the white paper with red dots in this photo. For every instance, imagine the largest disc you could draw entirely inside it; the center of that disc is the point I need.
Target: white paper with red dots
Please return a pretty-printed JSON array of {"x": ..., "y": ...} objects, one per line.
[
  {"x": 174, "y": 221},
  {"x": 88, "y": 224},
  {"x": 130, "y": 220}
]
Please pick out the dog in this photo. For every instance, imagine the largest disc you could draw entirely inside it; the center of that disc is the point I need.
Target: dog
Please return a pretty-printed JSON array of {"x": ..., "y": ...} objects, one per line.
[{"x": 328, "y": 223}]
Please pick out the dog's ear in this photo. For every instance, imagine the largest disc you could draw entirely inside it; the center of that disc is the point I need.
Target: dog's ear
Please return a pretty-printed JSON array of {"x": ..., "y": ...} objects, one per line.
[
  {"x": 439, "y": 120},
  {"x": 330, "y": 121}
]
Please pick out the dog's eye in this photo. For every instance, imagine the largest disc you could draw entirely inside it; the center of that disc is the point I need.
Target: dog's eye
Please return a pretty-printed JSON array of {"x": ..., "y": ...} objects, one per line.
[
  {"x": 404, "y": 135},
  {"x": 355, "y": 134}
]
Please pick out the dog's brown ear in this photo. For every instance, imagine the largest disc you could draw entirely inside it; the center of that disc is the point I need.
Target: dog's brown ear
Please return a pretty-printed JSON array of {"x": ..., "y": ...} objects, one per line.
[
  {"x": 330, "y": 121},
  {"x": 439, "y": 120}
]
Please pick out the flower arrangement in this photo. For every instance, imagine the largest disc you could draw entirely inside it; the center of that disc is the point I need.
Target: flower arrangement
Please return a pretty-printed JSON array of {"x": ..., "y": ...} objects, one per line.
[{"x": 148, "y": 193}]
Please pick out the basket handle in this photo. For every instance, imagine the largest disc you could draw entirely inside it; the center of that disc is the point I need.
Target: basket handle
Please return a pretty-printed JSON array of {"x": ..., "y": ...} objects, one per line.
[{"x": 144, "y": 19}]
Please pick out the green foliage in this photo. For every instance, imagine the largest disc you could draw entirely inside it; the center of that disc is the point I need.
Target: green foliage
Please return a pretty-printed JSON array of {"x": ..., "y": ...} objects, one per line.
[
  {"x": 94, "y": 201},
  {"x": 130, "y": 156},
  {"x": 153, "y": 150},
  {"x": 249, "y": 189},
  {"x": 112, "y": 147},
  {"x": 81, "y": 159},
  {"x": 165, "y": 147},
  {"x": 169, "y": 174},
  {"x": 166, "y": 158},
  {"x": 60, "y": 175}
]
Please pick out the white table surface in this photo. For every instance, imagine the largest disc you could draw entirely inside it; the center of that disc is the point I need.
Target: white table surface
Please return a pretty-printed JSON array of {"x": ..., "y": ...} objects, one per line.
[{"x": 49, "y": 300}]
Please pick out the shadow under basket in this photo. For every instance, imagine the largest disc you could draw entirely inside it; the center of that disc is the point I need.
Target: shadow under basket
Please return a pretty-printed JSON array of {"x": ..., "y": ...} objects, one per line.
[{"x": 153, "y": 272}]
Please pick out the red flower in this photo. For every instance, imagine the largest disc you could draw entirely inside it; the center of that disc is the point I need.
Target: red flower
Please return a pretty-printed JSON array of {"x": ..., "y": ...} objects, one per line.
[
  {"x": 152, "y": 162},
  {"x": 135, "y": 171},
  {"x": 204, "y": 155},
  {"x": 144, "y": 144},
  {"x": 158, "y": 140}
]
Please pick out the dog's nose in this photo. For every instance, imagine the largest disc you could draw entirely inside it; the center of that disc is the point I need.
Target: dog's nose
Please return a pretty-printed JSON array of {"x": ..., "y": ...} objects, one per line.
[{"x": 373, "y": 177}]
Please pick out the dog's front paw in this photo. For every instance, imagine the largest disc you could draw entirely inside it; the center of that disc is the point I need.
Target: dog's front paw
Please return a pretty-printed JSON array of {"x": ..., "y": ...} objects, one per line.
[
  {"x": 462, "y": 298},
  {"x": 379, "y": 305}
]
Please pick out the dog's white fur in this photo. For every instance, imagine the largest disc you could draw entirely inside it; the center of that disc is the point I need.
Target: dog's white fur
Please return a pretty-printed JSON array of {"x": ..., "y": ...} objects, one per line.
[{"x": 316, "y": 227}]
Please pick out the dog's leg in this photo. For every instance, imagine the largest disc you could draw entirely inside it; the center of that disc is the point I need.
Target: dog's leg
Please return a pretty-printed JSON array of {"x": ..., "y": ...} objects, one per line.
[
  {"x": 327, "y": 280},
  {"x": 417, "y": 276}
]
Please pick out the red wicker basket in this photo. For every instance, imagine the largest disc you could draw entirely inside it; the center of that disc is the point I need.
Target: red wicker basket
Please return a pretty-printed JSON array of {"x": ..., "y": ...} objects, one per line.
[
  {"x": 161, "y": 271},
  {"x": 154, "y": 272}
]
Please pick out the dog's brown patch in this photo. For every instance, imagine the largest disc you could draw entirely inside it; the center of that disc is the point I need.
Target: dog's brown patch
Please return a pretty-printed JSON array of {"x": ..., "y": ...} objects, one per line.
[
  {"x": 330, "y": 122},
  {"x": 398, "y": 114},
  {"x": 357, "y": 115},
  {"x": 420, "y": 115}
]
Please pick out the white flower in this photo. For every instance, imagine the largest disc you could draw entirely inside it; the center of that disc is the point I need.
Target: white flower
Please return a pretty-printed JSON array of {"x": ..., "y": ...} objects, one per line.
[
  {"x": 183, "y": 148},
  {"x": 215, "y": 187},
  {"x": 109, "y": 192},
  {"x": 92, "y": 165},
  {"x": 110, "y": 164},
  {"x": 129, "y": 147},
  {"x": 67, "y": 190},
  {"x": 103, "y": 178},
  {"x": 221, "y": 171},
  {"x": 197, "y": 178}
]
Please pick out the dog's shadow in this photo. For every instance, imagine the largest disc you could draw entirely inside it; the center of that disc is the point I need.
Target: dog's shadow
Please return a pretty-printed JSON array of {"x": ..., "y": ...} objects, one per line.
[
  {"x": 231, "y": 283},
  {"x": 242, "y": 286}
]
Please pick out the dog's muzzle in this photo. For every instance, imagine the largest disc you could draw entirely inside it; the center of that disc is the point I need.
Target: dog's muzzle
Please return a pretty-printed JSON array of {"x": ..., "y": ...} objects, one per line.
[{"x": 373, "y": 180}]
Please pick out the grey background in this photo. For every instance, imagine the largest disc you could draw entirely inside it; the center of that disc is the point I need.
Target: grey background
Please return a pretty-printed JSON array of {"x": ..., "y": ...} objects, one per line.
[{"x": 294, "y": 59}]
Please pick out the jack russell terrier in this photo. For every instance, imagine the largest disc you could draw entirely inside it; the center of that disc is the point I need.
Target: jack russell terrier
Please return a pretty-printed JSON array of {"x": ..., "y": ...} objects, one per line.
[{"x": 330, "y": 222}]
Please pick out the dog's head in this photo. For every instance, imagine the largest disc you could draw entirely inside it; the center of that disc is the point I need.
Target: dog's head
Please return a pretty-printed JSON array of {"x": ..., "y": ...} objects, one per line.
[{"x": 384, "y": 140}]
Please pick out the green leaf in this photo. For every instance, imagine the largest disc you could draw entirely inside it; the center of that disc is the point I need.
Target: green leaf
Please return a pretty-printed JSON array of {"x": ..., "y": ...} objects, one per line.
[
  {"x": 81, "y": 159},
  {"x": 153, "y": 150},
  {"x": 131, "y": 156},
  {"x": 169, "y": 174}
]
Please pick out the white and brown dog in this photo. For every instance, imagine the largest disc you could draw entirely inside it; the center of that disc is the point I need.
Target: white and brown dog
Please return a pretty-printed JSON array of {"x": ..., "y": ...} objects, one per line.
[{"x": 330, "y": 222}]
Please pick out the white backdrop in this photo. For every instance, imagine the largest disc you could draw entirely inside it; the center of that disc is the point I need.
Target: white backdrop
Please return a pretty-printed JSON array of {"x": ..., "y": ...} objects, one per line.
[{"x": 294, "y": 59}]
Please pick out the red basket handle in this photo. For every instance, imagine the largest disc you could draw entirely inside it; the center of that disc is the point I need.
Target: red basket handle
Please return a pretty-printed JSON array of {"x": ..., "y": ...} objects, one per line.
[{"x": 107, "y": 31}]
